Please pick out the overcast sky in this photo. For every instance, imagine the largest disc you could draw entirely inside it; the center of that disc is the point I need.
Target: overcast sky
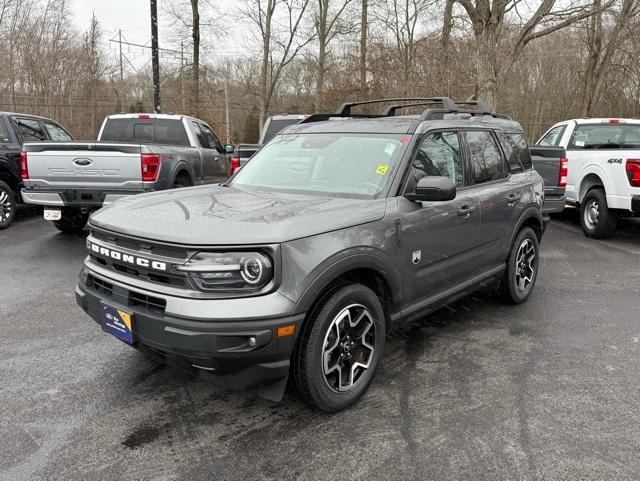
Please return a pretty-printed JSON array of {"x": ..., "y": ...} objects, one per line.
[{"x": 132, "y": 16}]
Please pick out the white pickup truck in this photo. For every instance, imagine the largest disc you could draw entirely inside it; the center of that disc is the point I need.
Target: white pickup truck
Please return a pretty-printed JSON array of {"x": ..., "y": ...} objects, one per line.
[{"x": 603, "y": 176}]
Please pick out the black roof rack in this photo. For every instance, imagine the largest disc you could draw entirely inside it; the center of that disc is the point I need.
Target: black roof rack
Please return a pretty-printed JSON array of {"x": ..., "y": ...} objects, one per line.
[
  {"x": 448, "y": 107},
  {"x": 345, "y": 109}
]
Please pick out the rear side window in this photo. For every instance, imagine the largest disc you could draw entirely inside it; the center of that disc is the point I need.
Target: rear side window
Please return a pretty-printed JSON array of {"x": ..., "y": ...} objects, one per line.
[
  {"x": 517, "y": 152},
  {"x": 486, "y": 159},
  {"x": 31, "y": 130},
  {"x": 605, "y": 136},
  {"x": 145, "y": 131},
  {"x": 57, "y": 133},
  {"x": 552, "y": 138},
  {"x": 4, "y": 133}
]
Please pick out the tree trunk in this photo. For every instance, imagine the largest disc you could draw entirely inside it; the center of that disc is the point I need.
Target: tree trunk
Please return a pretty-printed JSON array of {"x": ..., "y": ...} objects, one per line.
[
  {"x": 486, "y": 66},
  {"x": 364, "y": 24},
  {"x": 322, "y": 53},
  {"x": 195, "y": 34}
]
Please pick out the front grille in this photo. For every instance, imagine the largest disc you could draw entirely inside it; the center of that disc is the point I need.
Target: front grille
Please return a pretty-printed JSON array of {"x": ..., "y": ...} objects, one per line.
[
  {"x": 150, "y": 250},
  {"x": 126, "y": 297}
]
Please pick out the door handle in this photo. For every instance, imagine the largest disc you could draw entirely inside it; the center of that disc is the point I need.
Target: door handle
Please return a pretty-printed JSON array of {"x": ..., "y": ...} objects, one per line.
[
  {"x": 466, "y": 210},
  {"x": 513, "y": 198}
]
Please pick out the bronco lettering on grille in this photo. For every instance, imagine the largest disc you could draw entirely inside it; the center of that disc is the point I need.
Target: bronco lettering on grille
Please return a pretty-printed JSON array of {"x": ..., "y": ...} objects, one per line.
[{"x": 127, "y": 258}]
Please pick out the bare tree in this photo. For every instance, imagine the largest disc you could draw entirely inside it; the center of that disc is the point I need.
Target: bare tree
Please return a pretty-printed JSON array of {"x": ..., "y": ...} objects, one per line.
[
  {"x": 364, "y": 33},
  {"x": 328, "y": 25},
  {"x": 280, "y": 43},
  {"x": 488, "y": 20},
  {"x": 602, "y": 47}
]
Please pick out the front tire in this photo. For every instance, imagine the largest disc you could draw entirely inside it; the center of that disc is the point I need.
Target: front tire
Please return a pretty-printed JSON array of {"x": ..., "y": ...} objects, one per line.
[
  {"x": 339, "y": 349},
  {"x": 73, "y": 221},
  {"x": 7, "y": 205},
  {"x": 522, "y": 268},
  {"x": 596, "y": 219}
]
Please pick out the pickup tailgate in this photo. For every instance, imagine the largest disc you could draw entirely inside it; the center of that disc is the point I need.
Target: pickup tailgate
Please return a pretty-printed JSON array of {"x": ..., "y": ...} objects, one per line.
[
  {"x": 89, "y": 165},
  {"x": 547, "y": 161}
]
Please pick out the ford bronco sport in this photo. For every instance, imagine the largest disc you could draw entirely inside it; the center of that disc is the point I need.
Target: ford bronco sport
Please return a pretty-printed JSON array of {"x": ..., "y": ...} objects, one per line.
[{"x": 342, "y": 228}]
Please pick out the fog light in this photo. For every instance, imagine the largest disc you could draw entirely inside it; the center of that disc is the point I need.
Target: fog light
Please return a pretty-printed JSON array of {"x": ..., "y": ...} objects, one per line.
[{"x": 252, "y": 341}]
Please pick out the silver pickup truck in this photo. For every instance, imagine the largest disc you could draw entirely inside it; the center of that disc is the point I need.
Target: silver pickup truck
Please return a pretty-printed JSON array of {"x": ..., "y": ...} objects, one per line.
[{"x": 134, "y": 153}]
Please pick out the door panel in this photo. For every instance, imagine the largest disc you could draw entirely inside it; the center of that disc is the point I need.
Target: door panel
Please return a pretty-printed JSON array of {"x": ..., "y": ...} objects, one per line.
[{"x": 439, "y": 243}]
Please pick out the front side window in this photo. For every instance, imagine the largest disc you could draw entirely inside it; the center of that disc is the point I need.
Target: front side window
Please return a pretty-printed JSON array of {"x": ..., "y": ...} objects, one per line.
[
  {"x": 358, "y": 166},
  {"x": 438, "y": 155},
  {"x": 30, "y": 130},
  {"x": 552, "y": 138},
  {"x": 57, "y": 133},
  {"x": 212, "y": 140},
  {"x": 486, "y": 160},
  {"x": 605, "y": 136}
]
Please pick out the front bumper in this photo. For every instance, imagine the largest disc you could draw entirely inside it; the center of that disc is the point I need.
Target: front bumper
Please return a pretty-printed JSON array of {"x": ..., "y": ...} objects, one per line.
[
  {"x": 216, "y": 349},
  {"x": 73, "y": 197}
]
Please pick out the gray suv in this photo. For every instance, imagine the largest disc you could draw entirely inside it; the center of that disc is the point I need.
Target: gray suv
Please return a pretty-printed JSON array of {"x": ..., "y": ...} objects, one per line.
[{"x": 341, "y": 229}]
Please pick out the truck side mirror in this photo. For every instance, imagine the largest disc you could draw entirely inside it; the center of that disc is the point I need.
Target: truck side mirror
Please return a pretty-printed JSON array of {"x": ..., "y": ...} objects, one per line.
[
  {"x": 433, "y": 188},
  {"x": 229, "y": 148}
]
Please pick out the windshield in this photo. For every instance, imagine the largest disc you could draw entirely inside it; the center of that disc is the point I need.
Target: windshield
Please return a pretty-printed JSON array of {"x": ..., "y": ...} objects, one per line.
[
  {"x": 605, "y": 136},
  {"x": 338, "y": 165}
]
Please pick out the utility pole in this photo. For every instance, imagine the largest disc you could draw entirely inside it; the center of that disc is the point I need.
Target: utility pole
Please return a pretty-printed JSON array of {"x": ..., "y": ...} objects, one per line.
[
  {"x": 226, "y": 107},
  {"x": 121, "y": 73},
  {"x": 155, "y": 56}
]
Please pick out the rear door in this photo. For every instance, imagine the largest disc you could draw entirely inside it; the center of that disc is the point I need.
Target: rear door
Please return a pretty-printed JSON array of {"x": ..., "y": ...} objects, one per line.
[
  {"x": 498, "y": 194},
  {"x": 221, "y": 159},
  {"x": 439, "y": 239}
]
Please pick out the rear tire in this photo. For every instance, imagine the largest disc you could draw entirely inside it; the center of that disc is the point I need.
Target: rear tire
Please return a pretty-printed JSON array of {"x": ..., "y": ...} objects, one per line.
[
  {"x": 73, "y": 221},
  {"x": 7, "y": 205},
  {"x": 182, "y": 180},
  {"x": 522, "y": 268},
  {"x": 596, "y": 219},
  {"x": 339, "y": 349}
]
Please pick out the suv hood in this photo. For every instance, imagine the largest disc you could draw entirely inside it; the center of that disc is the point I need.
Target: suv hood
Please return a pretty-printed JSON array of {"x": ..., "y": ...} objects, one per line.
[{"x": 213, "y": 215}]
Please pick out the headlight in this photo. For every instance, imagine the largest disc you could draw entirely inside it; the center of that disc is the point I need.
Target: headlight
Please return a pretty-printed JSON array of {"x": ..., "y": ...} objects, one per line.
[{"x": 229, "y": 271}]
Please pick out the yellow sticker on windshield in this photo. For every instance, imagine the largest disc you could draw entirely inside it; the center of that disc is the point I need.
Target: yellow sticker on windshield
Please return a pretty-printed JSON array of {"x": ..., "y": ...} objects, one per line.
[{"x": 382, "y": 169}]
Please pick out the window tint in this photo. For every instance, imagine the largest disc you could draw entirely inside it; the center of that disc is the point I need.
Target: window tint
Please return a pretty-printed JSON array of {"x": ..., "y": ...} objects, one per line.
[
  {"x": 212, "y": 140},
  {"x": 56, "y": 132},
  {"x": 438, "y": 155},
  {"x": 552, "y": 138},
  {"x": 150, "y": 131},
  {"x": 4, "y": 133},
  {"x": 605, "y": 136},
  {"x": 31, "y": 130},
  {"x": 486, "y": 160},
  {"x": 517, "y": 152}
]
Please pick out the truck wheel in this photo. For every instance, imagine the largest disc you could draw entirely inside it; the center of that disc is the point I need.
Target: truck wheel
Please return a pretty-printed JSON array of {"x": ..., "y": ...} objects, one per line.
[
  {"x": 7, "y": 205},
  {"x": 522, "y": 268},
  {"x": 339, "y": 348},
  {"x": 73, "y": 221},
  {"x": 597, "y": 220}
]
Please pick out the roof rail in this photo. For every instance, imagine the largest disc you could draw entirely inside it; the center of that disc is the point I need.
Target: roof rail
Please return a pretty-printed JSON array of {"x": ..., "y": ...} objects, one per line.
[
  {"x": 392, "y": 109},
  {"x": 345, "y": 109},
  {"x": 438, "y": 114}
]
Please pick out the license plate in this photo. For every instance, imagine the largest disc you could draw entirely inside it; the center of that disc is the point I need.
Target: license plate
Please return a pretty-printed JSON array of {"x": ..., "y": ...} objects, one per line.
[
  {"x": 117, "y": 322},
  {"x": 52, "y": 214}
]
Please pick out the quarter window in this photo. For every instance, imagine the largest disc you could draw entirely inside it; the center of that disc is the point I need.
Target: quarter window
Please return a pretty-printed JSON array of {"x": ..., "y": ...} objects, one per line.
[
  {"x": 486, "y": 160},
  {"x": 438, "y": 155},
  {"x": 57, "y": 133}
]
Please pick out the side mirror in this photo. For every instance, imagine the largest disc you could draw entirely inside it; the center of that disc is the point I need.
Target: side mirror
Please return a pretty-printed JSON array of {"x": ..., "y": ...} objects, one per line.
[
  {"x": 229, "y": 148},
  {"x": 431, "y": 188}
]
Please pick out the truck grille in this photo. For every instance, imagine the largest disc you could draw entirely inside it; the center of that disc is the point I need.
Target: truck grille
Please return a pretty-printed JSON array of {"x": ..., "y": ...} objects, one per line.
[{"x": 126, "y": 297}]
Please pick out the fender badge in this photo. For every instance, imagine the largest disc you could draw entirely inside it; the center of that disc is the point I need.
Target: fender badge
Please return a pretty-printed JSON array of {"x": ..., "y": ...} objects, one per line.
[{"x": 417, "y": 255}]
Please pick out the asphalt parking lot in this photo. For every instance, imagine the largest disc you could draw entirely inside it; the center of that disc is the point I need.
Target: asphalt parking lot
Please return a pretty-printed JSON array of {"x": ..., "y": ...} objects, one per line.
[{"x": 548, "y": 390}]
